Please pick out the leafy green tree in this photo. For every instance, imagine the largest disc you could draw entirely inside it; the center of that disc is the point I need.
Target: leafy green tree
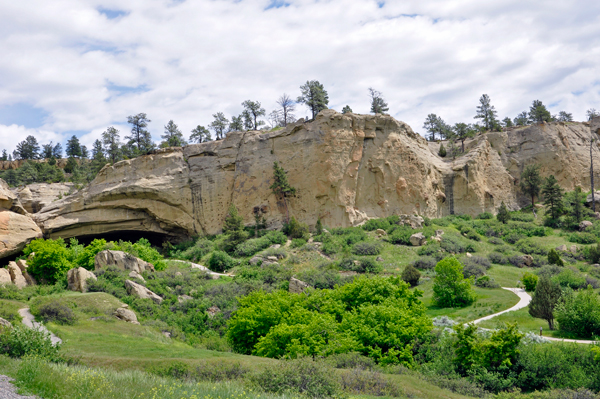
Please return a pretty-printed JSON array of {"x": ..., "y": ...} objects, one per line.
[
  {"x": 578, "y": 313},
  {"x": 200, "y": 134},
  {"x": 173, "y": 136},
  {"x": 486, "y": 112},
  {"x": 531, "y": 182},
  {"x": 530, "y": 281},
  {"x": 466, "y": 350},
  {"x": 522, "y": 119},
  {"x": 411, "y": 275},
  {"x": 314, "y": 96},
  {"x": 254, "y": 109},
  {"x": 51, "y": 260},
  {"x": 112, "y": 145},
  {"x": 538, "y": 112},
  {"x": 236, "y": 124},
  {"x": 281, "y": 187},
  {"x": 346, "y": 109},
  {"x": 462, "y": 131},
  {"x": 288, "y": 106},
  {"x": 27, "y": 149},
  {"x": 451, "y": 288},
  {"x": 219, "y": 125},
  {"x": 564, "y": 116},
  {"x": 553, "y": 197},
  {"x": 73, "y": 147},
  {"x": 378, "y": 104},
  {"x": 140, "y": 139},
  {"x": 544, "y": 300},
  {"x": 554, "y": 258},
  {"x": 503, "y": 215},
  {"x": 507, "y": 122},
  {"x": 234, "y": 229}
]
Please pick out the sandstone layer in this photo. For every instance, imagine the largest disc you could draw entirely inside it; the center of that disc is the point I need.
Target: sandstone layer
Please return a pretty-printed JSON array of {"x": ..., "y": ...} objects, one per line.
[
  {"x": 346, "y": 168},
  {"x": 35, "y": 196}
]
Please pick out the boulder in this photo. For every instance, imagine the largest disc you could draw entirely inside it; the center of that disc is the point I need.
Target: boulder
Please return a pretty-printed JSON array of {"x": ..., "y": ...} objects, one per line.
[
  {"x": 140, "y": 291},
  {"x": 588, "y": 199},
  {"x": 213, "y": 311},
  {"x": 418, "y": 239},
  {"x": 121, "y": 260},
  {"x": 272, "y": 258},
  {"x": 16, "y": 231},
  {"x": 573, "y": 249},
  {"x": 77, "y": 279},
  {"x": 380, "y": 232},
  {"x": 22, "y": 263},
  {"x": 275, "y": 246},
  {"x": 5, "y": 277},
  {"x": 597, "y": 215},
  {"x": 469, "y": 255},
  {"x": 126, "y": 315},
  {"x": 178, "y": 274},
  {"x": 585, "y": 224},
  {"x": 527, "y": 260},
  {"x": 379, "y": 259},
  {"x": 297, "y": 286},
  {"x": 5, "y": 323},
  {"x": 183, "y": 298},
  {"x": 414, "y": 221},
  {"x": 134, "y": 274},
  {"x": 16, "y": 275},
  {"x": 562, "y": 248},
  {"x": 255, "y": 260}
]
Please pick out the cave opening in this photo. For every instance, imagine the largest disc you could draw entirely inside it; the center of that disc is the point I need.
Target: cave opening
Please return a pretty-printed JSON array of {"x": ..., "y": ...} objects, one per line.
[{"x": 156, "y": 239}]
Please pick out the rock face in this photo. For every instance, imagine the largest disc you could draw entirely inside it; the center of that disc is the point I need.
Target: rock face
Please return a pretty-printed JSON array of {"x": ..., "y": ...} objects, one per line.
[
  {"x": 347, "y": 168},
  {"x": 585, "y": 224},
  {"x": 17, "y": 228},
  {"x": 126, "y": 315},
  {"x": 5, "y": 323},
  {"x": 34, "y": 197},
  {"x": 122, "y": 260},
  {"x": 16, "y": 275},
  {"x": 297, "y": 286},
  {"x": 418, "y": 239},
  {"x": 5, "y": 277},
  {"x": 77, "y": 279},
  {"x": 140, "y": 291}
]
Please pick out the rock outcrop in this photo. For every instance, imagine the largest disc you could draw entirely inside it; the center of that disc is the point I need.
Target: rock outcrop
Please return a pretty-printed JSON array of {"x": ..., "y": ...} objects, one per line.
[
  {"x": 34, "y": 197},
  {"x": 5, "y": 323},
  {"x": 121, "y": 260},
  {"x": 126, "y": 315},
  {"x": 5, "y": 277},
  {"x": 297, "y": 286},
  {"x": 17, "y": 228},
  {"x": 77, "y": 279},
  {"x": 140, "y": 291},
  {"x": 347, "y": 168},
  {"x": 16, "y": 275}
]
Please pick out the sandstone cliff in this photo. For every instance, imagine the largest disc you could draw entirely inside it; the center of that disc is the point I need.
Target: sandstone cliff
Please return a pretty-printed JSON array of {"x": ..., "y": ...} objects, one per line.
[{"x": 347, "y": 168}]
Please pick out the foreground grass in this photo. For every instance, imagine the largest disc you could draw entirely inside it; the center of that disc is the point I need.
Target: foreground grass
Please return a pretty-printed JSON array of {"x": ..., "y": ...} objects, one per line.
[{"x": 9, "y": 310}]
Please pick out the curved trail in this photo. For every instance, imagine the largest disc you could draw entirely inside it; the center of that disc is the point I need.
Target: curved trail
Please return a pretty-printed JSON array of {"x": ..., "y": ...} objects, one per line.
[
  {"x": 29, "y": 321},
  {"x": 524, "y": 301}
]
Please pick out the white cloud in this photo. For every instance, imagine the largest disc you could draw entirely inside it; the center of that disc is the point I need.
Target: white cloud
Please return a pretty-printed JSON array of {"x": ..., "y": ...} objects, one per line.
[{"x": 187, "y": 60}]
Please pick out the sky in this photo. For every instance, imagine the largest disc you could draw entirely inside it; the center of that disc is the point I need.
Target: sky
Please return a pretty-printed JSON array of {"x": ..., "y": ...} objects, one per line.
[{"x": 75, "y": 67}]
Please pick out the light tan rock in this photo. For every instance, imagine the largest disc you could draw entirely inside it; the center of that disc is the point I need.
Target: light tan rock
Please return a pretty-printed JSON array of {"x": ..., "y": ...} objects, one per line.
[
  {"x": 22, "y": 263},
  {"x": 134, "y": 274},
  {"x": 122, "y": 260},
  {"x": 5, "y": 277},
  {"x": 140, "y": 291},
  {"x": 126, "y": 315},
  {"x": 562, "y": 248},
  {"x": 9, "y": 200},
  {"x": 34, "y": 197},
  {"x": 297, "y": 286},
  {"x": 585, "y": 224},
  {"x": 414, "y": 221},
  {"x": 527, "y": 260},
  {"x": 184, "y": 298},
  {"x": 77, "y": 279},
  {"x": 573, "y": 249},
  {"x": 418, "y": 239},
  {"x": 16, "y": 231},
  {"x": 5, "y": 323},
  {"x": 213, "y": 311},
  {"x": 380, "y": 232},
  {"x": 16, "y": 275}
]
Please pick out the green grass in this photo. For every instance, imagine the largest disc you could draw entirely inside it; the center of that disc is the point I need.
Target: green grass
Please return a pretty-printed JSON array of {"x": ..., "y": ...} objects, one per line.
[
  {"x": 9, "y": 310},
  {"x": 526, "y": 322}
]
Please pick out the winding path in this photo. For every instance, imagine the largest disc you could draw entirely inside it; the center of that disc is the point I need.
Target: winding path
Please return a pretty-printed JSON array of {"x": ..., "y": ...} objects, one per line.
[
  {"x": 524, "y": 301},
  {"x": 29, "y": 321}
]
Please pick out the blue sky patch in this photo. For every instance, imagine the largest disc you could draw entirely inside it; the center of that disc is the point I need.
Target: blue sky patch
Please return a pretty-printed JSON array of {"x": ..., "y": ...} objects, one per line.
[
  {"x": 121, "y": 90},
  {"x": 23, "y": 115},
  {"x": 277, "y": 4},
  {"x": 112, "y": 14}
]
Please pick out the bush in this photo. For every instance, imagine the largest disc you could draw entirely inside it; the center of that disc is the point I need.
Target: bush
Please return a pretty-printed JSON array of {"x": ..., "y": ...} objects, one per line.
[
  {"x": 478, "y": 260},
  {"x": 374, "y": 224},
  {"x": 529, "y": 280},
  {"x": 295, "y": 229},
  {"x": 425, "y": 263},
  {"x": 401, "y": 235},
  {"x": 473, "y": 270},
  {"x": 20, "y": 341},
  {"x": 200, "y": 249},
  {"x": 453, "y": 244},
  {"x": 298, "y": 242},
  {"x": 430, "y": 249},
  {"x": 497, "y": 258},
  {"x": 369, "y": 266},
  {"x": 411, "y": 275},
  {"x": 485, "y": 216},
  {"x": 450, "y": 288},
  {"x": 365, "y": 382},
  {"x": 472, "y": 235},
  {"x": 442, "y": 151},
  {"x": 303, "y": 376},
  {"x": 513, "y": 237},
  {"x": 255, "y": 245},
  {"x": 570, "y": 278},
  {"x": 486, "y": 282},
  {"x": 495, "y": 241},
  {"x": 529, "y": 247},
  {"x": 583, "y": 238},
  {"x": 219, "y": 262},
  {"x": 351, "y": 360},
  {"x": 579, "y": 313},
  {"x": 51, "y": 260},
  {"x": 554, "y": 258},
  {"x": 57, "y": 313},
  {"x": 366, "y": 248},
  {"x": 592, "y": 253}
]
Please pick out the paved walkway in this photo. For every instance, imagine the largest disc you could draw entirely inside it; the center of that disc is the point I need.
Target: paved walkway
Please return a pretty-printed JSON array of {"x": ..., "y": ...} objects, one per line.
[
  {"x": 30, "y": 322},
  {"x": 524, "y": 301},
  {"x": 200, "y": 267},
  {"x": 8, "y": 391}
]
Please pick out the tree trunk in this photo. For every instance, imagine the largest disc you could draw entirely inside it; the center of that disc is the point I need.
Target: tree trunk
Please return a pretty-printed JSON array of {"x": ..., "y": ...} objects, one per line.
[
  {"x": 462, "y": 142},
  {"x": 551, "y": 324},
  {"x": 592, "y": 175}
]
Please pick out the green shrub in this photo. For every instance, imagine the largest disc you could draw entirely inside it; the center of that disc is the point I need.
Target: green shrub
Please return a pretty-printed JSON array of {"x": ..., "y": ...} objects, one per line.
[
  {"x": 554, "y": 258},
  {"x": 472, "y": 235},
  {"x": 442, "y": 151},
  {"x": 369, "y": 266},
  {"x": 453, "y": 244},
  {"x": 200, "y": 249},
  {"x": 592, "y": 253},
  {"x": 513, "y": 237},
  {"x": 366, "y": 248},
  {"x": 486, "y": 281},
  {"x": 425, "y": 263},
  {"x": 401, "y": 235},
  {"x": 579, "y": 313},
  {"x": 315, "y": 379},
  {"x": 430, "y": 249},
  {"x": 570, "y": 278},
  {"x": 498, "y": 258},
  {"x": 298, "y": 242},
  {"x": 450, "y": 288},
  {"x": 51, "y": 260},
  {"x": 143, "y": 250},
  {"x": 87, "y": 257},
  {"x": 529, "y": 247},
  {"x": 251, "y": 246},
  {"x": 529, "y": 280},
  {"x": 374, "y": 224},
  {"x": 411, "y": 275},
  {"x": 56, "y": 312},
  {"x": 20, "y": 341},
  {"x": 485, "y": 216},
  {"x": 522, "y": 217},
  {"x": 219, "y": 261},
  {"x": 295, "y": 229},
  {"x": 583, "y": 238}
]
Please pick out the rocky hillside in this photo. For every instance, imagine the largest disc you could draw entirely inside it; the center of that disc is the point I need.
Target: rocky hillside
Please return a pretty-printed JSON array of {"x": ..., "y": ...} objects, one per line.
[{"x": 346, "y": 168}]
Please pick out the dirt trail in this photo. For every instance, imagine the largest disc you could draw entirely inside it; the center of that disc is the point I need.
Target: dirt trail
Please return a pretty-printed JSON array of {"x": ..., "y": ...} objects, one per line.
[{"x": 30, "y": 322}]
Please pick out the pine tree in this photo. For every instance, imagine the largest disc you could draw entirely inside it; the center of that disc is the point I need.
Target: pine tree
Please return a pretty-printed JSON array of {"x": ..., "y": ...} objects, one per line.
[
  {"x": 173, "y": 136},
  {"x": 319, "y": 227},
  {"x": 442, "y": 151},
  {"x": 314, "y": 96},
  {"x": 4, "y": 156},
  {"x": 564, "y": 116},
  {"x": 531, "y": 182},
  {"x": 281, "y": 187},
  {"x": 503, "y": 215},
  {"x": 522, "y": 119},
  {"x": 112, "y": 145},
  {"x": 200, "y": 134},
  {"x": 411, "y": 275},
  {"x": 575, "y": 201},
  {"x": 47, "y": 151},
  {"x": 544, "y": 300},
  {"x": 346, "y": 109},
  {"x": 27, "y": 149},
  {"x": 462, "y": 131},
  {"x": 73, "y": 147},
  {"x": 234, "y": 228},
  {"x": 507, "y": 122},
  {"x": 140, "y": 139},
  {"x": 57, "y": 151},
  {"x": 486, "y": 112},
  {"x": 554, "y": 258},
  {"x": 538, "y": 112},
  {"x": 553, "y": 197},
  {"x": 254, "y": 109},
  {"x": 378, "y": 105},
  {"x": 236, "y": 124},
  {"x": 219, "y": 125}
]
